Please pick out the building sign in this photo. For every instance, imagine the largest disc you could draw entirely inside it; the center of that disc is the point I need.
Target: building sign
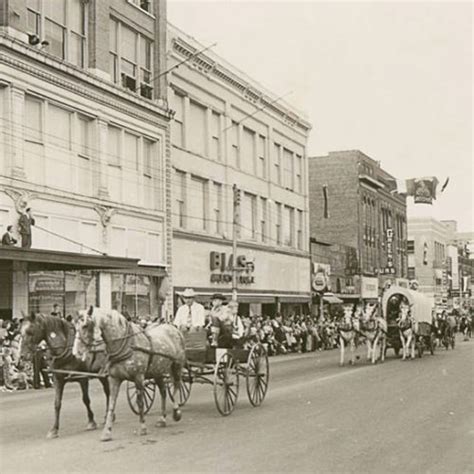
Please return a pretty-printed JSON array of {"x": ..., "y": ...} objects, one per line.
[
  {"x": 389, "y": 269},
  {"x": 369, "y": 287},
  {"x": 425, "y": 190},
  {"x": 221, "y": 267}
]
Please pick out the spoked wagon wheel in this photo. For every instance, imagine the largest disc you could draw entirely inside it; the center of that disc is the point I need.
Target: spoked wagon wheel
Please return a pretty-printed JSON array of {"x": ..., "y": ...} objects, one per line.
[
  {"x": 184, "y": 387},
  {"x": 148, "y": 396},
  {"x": 257, "y": 375},
  {"x": 226, "y": 384}
]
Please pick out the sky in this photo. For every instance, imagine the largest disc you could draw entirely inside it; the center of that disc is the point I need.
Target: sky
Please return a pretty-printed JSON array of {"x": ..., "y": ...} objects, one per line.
[{"x": 392, "y": 79}]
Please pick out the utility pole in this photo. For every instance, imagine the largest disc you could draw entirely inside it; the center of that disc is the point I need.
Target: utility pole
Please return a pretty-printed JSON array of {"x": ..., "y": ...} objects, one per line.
[{"x": 235, "y": 235}]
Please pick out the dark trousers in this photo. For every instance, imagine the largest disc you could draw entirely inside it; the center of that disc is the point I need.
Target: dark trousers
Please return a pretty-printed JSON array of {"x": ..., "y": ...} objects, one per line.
[
  {"x": 26, "y": 241},
  {"x": 39, "y": 370}
]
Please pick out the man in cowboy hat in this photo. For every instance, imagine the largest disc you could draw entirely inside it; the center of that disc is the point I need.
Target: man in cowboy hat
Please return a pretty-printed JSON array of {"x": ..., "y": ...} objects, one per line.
[
  {"x": 219, "y": 316},
  {"x": 191, "y": 314}
]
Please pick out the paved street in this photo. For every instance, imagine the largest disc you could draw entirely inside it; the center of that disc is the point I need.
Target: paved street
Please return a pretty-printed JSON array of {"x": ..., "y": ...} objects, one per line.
[{"x": 412, "y": 416}]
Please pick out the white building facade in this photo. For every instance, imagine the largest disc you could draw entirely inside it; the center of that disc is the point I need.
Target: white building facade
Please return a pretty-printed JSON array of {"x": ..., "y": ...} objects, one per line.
[
  {"x": 228, "y": 130},
  {"x": 84, "y": 142}
]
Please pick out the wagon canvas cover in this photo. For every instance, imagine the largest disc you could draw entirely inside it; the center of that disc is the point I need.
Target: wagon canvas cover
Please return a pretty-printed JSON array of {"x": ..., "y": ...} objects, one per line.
[{"x": 421, "y": 305}]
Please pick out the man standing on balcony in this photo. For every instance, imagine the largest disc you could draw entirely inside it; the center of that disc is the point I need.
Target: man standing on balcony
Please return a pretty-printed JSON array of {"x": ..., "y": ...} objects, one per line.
[{"x": 24, "y": 227}]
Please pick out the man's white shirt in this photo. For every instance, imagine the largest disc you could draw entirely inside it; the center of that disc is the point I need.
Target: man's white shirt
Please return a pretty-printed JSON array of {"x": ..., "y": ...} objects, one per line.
[{"x": 198, "y": 317}]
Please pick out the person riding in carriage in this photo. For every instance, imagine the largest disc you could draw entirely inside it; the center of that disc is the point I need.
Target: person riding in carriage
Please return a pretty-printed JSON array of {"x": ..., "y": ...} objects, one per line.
[{"x": 227, "y": 329}]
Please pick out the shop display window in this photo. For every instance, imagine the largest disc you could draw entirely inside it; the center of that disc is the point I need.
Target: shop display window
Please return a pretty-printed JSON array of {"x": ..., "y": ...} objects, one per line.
[{"x": 136, "y": 294}]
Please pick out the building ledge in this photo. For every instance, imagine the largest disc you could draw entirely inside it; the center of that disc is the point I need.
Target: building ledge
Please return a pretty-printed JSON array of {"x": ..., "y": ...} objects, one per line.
[{"x": 372, "y": 182}]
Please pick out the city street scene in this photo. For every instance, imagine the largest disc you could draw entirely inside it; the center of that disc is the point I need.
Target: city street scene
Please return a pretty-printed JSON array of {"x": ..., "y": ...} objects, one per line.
[{"x": 236, "y": 236}]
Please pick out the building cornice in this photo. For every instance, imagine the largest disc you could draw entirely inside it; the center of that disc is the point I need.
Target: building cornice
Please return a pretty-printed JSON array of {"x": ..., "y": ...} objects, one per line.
[
  {"x": 249, "y": 92},
  {"x": 11, "y": 185},
  {"x": 185, "y": 235},
  {"x": 59, "y": 73}
]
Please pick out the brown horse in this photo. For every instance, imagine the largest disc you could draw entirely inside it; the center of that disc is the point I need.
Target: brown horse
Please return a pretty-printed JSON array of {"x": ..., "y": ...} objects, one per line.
[
  {"x": 59, "y": 336},
  {"x": 135, "y": 354}
]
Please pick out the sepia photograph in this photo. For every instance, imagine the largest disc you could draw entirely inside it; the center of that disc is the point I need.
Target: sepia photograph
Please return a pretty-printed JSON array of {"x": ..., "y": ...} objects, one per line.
[{"x": 237, "y": 236}]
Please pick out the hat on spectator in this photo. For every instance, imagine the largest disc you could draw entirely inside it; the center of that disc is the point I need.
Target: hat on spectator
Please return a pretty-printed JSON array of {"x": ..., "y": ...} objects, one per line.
[
  {"x": 189, "y": 293},
  {"x": 218, "y": 296}
]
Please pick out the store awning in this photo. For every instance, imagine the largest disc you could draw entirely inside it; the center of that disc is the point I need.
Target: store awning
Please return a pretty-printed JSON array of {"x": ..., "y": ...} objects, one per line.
[
  {"x": 38, "y": 259},
  {"x": 331, "y": 299}
]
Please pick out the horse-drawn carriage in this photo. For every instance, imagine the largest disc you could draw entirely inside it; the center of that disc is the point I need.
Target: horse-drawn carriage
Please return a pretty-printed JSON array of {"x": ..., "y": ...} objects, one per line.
[
  {"x": 419, "y": 313},
  {"x": 221, "y": 368}
]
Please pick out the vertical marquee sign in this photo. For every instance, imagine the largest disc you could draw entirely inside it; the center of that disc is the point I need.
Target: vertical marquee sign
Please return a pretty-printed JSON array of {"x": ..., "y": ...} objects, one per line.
[{"x": 389, "y": 269}]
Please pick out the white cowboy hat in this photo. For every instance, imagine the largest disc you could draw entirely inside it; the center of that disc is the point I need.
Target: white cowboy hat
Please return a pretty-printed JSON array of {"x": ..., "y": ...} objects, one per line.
[{"x": 189, "y": 293}]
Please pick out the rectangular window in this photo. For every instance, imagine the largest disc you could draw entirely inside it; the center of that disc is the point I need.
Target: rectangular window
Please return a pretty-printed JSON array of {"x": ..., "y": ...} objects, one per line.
[
  {"x": 411, "y": 273},
  {"x": 278, "y": 223},
  {"x": 84, "y": 135},
  {"x": 263, "y": 219},
  {"x": 299, "y": 174},
  {"x": 288, "y": 226},
  {"x": 130, "y": 149},
  {"x": 148, "y": 185},
  {"x": 177, "y": 126},
  {"x": 131, "y": 56},
  {"x": 197, "y": 133},
  {"x": 60, "y": 120},
  {"x": 113, "y": 146},
  {"x": 262, "y": 162},
  {"x": 325, "y": 202},
  {"x": 277, "y": 163},
  {"x": 63, "y": 24},
  {"x": 299, "y": 232},
  {"x": 197, "y": 205},
  {"x": 215, "y": 136},
  {"x": 235, "y": 147},
  {"x": 288, "y": 169},
  {"x": 33, "y": 119},
  {"x": 217, "y": 208},
  {"x": 179, "y": 185},
  {"x": 248, "y": 150},
  {"x": 410, "y": 246},
  {"x": 249, "y": 216}
]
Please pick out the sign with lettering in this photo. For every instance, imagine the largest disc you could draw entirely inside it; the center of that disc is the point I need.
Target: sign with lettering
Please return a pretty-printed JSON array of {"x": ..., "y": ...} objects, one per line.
[
  {"x": 369, "y": 287},
  {"x": 390, "y": 268},
  {"x": 221, "y": 267}
]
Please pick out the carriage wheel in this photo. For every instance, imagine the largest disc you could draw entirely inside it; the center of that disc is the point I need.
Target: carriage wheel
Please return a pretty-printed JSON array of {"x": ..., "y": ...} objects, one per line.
[
  {"x": 184, "y": 387},
  {"x": 257, "y": 375},
  {"x": 226, "y": 384},
  {"x": 148, "y": 396}
]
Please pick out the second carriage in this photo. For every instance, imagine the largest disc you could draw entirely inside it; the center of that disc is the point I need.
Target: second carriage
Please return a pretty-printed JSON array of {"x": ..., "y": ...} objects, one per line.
[
  {"x": 421, "y": 311},
  {"x": 221, "y": 368}
]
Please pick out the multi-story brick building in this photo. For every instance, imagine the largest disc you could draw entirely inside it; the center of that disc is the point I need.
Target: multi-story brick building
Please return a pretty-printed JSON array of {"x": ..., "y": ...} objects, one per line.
[
  {"x": 228, "y": 130},
  {"x": 84, "y": 142},
  {"x": 353, "y": 203}
]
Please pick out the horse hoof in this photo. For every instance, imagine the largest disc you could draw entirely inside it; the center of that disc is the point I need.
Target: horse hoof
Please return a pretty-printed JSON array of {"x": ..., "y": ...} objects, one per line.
[
  {"x": 177, "y": 414},
  {"x": 106, "y": 436},
  {"x": 92, "y": 425},
  {"x": 161, "y": 423},
  {"x": 52, "y": 434}
]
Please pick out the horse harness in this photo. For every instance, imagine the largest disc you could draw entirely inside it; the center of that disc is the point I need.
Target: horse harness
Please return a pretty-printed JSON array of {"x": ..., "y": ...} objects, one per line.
[{"x": 124, "y": 352}]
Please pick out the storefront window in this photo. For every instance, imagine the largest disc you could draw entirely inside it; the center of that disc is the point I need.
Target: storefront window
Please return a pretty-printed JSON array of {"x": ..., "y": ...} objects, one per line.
[
  {"x": 81, "y": 291},
  {"x": 45, "y": 290},
  {"x": 136, "y": 294},
  {"x": 72, "y": 291}
]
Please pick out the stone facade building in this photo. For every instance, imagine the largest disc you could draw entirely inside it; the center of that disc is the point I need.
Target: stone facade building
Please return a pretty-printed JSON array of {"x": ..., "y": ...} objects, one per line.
[
  {"x": 84, "y": 142},
  {"x": 227, "y": 130}
]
